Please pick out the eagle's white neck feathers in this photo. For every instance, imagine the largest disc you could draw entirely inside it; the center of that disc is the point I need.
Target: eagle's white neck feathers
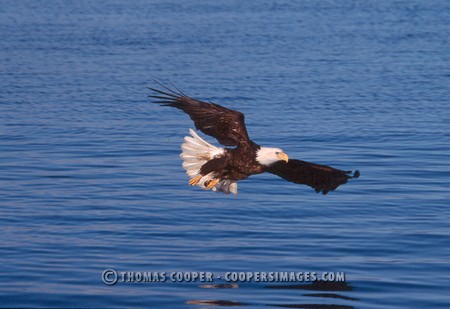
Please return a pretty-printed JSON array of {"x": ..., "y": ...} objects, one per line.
[{"x": 268, "y": 156}]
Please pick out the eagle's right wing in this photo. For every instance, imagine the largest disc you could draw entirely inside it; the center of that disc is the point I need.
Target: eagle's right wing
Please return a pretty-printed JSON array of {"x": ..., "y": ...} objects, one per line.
[
  {"x": 226, "y": 125},
  {"x": 320, "y": 177}
]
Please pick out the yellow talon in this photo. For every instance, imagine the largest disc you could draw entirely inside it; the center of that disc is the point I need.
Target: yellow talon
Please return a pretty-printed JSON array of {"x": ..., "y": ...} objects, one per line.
[
  {"x": 212, "y": 183},
  {"x": 195, "y": 180}
]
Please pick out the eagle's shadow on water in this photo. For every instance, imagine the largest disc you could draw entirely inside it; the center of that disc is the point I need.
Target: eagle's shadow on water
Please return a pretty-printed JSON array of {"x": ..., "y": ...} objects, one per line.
[{"x": 320, "y": 289}]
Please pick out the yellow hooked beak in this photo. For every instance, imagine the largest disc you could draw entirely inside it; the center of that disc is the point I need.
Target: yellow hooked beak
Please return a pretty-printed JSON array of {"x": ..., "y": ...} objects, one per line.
[{"x": 283, "y": 157}]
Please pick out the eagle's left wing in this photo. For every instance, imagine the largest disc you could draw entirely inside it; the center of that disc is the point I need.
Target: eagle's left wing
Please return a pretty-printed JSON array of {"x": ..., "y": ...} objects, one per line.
[
  {"x": 226, "y": 125},
  {"x": 322, "y": 178}
]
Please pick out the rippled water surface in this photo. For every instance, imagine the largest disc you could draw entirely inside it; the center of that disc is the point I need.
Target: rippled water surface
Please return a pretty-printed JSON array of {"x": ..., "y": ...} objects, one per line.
[{"x": 90, "y": 175}]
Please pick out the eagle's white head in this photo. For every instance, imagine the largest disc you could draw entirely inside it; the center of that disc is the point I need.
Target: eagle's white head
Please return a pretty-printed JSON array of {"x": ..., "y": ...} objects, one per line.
[{"x": 268, "y": 156}]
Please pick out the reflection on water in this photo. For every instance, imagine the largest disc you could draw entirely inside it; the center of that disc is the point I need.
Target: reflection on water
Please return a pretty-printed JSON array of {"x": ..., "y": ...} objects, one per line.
[
  {"x": 314, "y": 306},
  {"x": 222, "y": 303},
  {"x": 323, "y": 286},
  {"x": 316, "y": 286},
  {"x": 219, "y": 286},
  {"x": 331, "y": 295}
]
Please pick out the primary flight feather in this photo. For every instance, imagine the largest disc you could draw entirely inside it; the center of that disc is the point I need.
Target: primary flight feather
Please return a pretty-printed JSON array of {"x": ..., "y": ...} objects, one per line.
[{"x": 219, "y": 169}]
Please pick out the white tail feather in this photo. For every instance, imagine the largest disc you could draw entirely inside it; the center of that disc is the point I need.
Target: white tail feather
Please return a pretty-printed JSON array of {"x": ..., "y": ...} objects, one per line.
[
  {"x": 196, "y": 152},
  {"x": 226, "y": 186}
]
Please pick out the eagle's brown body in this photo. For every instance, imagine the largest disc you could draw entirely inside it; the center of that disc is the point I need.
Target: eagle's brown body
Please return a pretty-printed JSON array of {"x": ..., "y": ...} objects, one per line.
[{"x": 235, "y": 164}]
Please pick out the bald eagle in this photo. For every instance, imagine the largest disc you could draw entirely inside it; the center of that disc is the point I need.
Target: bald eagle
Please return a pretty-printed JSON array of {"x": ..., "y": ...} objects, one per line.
[{"x": 219, "y": 169}]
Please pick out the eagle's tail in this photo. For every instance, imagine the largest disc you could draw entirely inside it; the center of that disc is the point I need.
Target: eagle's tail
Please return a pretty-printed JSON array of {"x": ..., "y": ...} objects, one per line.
[{"x": 196, "y": 152}]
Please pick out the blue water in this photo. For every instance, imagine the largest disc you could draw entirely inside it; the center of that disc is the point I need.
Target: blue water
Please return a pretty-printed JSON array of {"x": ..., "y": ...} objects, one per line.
[{"x": 90, "y": 176}]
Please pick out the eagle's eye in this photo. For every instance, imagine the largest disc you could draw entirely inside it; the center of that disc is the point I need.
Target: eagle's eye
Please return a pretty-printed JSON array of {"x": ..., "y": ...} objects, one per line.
[{"x": 277, "y": 152}]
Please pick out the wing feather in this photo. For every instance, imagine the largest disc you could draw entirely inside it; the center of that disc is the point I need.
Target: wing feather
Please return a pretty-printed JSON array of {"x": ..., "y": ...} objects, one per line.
[
  {"x": 226, "y": 125},
  {"x": 321, "y": 178}
]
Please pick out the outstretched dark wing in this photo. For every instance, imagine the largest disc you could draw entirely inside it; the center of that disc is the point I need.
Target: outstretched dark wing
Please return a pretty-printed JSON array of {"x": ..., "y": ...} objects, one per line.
[
  {"x": 320, "y": 177},
  {"x": 226, "y": 125}
]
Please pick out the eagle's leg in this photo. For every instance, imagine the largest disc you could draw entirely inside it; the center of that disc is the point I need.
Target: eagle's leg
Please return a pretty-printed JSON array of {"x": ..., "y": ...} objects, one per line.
[
  {"x": 212, "y": 183},
  {"x": 195, "y": 180},
  {"x": 214, "y": 166}
]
